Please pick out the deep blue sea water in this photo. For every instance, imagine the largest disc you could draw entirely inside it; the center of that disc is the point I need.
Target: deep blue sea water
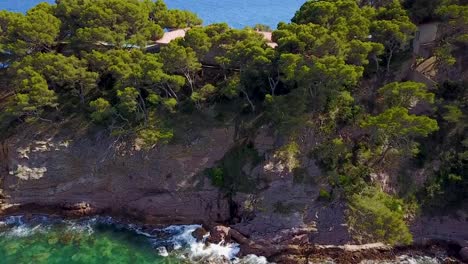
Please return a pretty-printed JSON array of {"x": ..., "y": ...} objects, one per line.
[{"x": 237, "y": 13}]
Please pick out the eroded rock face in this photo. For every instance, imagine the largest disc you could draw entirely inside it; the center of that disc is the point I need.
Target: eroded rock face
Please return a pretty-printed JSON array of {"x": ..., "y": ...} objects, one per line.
[
  {"x": 110, "y": 174},
  {"x": 285, "y": 210}
]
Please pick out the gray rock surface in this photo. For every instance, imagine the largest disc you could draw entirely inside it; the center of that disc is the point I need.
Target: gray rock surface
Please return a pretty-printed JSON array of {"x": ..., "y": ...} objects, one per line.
[{"x": 164, "y": 183}]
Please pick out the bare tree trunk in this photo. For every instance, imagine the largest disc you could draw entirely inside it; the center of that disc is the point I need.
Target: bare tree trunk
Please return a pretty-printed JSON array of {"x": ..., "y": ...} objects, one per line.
[
  {"x": 82, "y": 99},
  {"x": 252, "y": 106},
  {"x": 143, "y": 107},
  {"x": 389, "y": 59},
  {"x": 382, "y": 157},
  {"x": 377, "y": 65},
  {"x": 189, "y": 79},
  {"x": 173, "y": 93},
  {"x": 273, "y": 83}
]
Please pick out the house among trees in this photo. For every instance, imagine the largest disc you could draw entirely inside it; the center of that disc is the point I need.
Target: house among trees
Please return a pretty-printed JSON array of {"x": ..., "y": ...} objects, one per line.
[{"x": 424, "y": 41}]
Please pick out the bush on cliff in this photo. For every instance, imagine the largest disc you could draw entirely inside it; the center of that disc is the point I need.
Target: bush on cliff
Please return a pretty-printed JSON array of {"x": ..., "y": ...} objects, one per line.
[{"x": 376, "y": 216}]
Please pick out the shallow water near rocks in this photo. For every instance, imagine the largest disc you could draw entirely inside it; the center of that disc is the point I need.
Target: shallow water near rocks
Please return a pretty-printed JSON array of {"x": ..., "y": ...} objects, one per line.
[
  {"x": 101, "y": 240},
  {"x": 42, "y": 239}
]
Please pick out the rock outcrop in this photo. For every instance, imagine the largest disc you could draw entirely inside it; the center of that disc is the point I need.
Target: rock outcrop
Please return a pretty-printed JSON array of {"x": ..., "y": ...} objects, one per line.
[
  {"x": 83, "y": 175},
  {"x": 161, "y": 185}
]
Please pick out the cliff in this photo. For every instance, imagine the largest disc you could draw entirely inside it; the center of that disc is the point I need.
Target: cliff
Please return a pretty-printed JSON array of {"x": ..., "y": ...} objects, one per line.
[{"x": 79, "y": 174}]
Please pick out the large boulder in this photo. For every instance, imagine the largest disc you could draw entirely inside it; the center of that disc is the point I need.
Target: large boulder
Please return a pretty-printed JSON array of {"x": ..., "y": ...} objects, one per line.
[
  {"x": 464, "y": 254},
  {"x": 199, "y": 233},
  {"x": 219, "y": 234}
]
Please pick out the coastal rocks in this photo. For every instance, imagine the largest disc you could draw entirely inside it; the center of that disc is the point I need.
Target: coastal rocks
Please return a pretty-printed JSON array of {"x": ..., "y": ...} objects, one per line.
[
  {"x": 78, "y": 209},
  {"x": 199, "y": 234},
  {"x": 464, "y": 254},
  {"x": 180, "y": 207},
  {"x": 219, "y": 234}
]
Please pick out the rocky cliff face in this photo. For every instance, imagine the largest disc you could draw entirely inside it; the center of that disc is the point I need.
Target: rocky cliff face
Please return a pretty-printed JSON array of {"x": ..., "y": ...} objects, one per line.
[
  {"x": 168, "y": 184},
  {"x": 90, "y": 174},
  {"x": 162, "y": 184}
]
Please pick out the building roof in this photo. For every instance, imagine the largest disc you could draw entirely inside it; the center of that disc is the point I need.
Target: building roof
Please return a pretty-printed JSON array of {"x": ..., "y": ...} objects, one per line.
[
  {"x": 268, "y": 37},
  {"x": 171, "y": 35},
  {"x": 180, "y": 33}
]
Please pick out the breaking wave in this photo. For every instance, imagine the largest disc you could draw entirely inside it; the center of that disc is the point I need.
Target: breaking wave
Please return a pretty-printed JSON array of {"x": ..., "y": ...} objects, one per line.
[{"x": 175, "y": 241}]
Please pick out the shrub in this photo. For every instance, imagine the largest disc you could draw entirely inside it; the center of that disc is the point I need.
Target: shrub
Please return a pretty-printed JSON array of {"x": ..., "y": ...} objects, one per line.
[
  {"x": 376, "y": 216},
  {"x": 324, "y": 195},
  {"x": 216, "y": 175}
]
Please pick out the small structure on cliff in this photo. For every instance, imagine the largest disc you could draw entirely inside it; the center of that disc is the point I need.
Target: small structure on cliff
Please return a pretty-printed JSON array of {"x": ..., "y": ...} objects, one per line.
[
  {"x": 424, "y": 63},
  {"x": 424, "y": 41}
]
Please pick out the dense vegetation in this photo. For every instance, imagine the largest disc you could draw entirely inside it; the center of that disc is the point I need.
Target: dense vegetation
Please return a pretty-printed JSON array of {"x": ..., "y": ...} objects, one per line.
[{"x": 335, "y": 69}]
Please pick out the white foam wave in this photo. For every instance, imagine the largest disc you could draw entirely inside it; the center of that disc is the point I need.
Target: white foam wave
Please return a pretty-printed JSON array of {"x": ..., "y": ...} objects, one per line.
[
  {"x": 199, "y": 251},
  {"x": 174, "y": 240}
]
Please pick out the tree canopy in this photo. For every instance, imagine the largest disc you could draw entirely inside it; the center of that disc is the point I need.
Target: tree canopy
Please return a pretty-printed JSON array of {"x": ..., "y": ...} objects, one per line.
[{"x": 335, "y": 70}]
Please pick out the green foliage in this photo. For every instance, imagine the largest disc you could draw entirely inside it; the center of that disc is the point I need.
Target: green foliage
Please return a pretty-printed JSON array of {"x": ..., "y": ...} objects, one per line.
[
  {"x": 395, "y": 130},
  {"x": 33, "y": 94},
  {"x": 344, "y": 16},
  {"x": 178, "y": 19},
  {"x": 128, "y": 100},
  {"x": 262, "y": 27},
  {"x": 444, "y": 55},
  {"x": 405, "y": 94},
  {"x": 182, "y": 60},
  {"x": 332, "y": 153},
  {"x": 114, "y": 22},
  {"x": 286, "y": 111},
  {"x": 170, "y": 104},
  {"x": 151, "y": 136},
  {"x": 324, "y": 195},
  {"x": 287, "y": 154},
  {"x": 453, "y": 115},
  {"x": 89, "y": 56},
  {"x": 396, "y": 122},
  {"x": 66, "y": 75},
  {"x": 376, "y": 216},
  {"x": 230, "y": 174},
  {"x": 30, "y": 33},
  {"x": 217, "y": 176},
  {"x": 198, "y": 40},
  {"x": 102, "y": 110},
  {"x": 392, "y": 28},
  {"x": 445, "y": 189}
]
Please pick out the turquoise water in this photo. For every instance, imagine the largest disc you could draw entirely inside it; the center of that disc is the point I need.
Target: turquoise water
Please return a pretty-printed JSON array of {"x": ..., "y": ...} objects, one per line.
[
  {"x": 102, "y": 240},
  {"x": 237, "y": 13},
  {"x": 84, "y": 242}
]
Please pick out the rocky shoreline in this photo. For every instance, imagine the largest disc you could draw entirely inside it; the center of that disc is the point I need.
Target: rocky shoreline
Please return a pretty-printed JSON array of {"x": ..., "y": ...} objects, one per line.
[
  {"x": 281, "y": 219},
  {"x": 448, "y": 250}
]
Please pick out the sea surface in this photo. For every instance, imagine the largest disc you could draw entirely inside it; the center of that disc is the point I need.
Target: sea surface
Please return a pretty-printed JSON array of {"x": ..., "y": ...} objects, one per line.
[
  {"x": 103, "y": 240},
  {"x": 42, "y": 239},
  {"x": 237, "y": 13}
]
